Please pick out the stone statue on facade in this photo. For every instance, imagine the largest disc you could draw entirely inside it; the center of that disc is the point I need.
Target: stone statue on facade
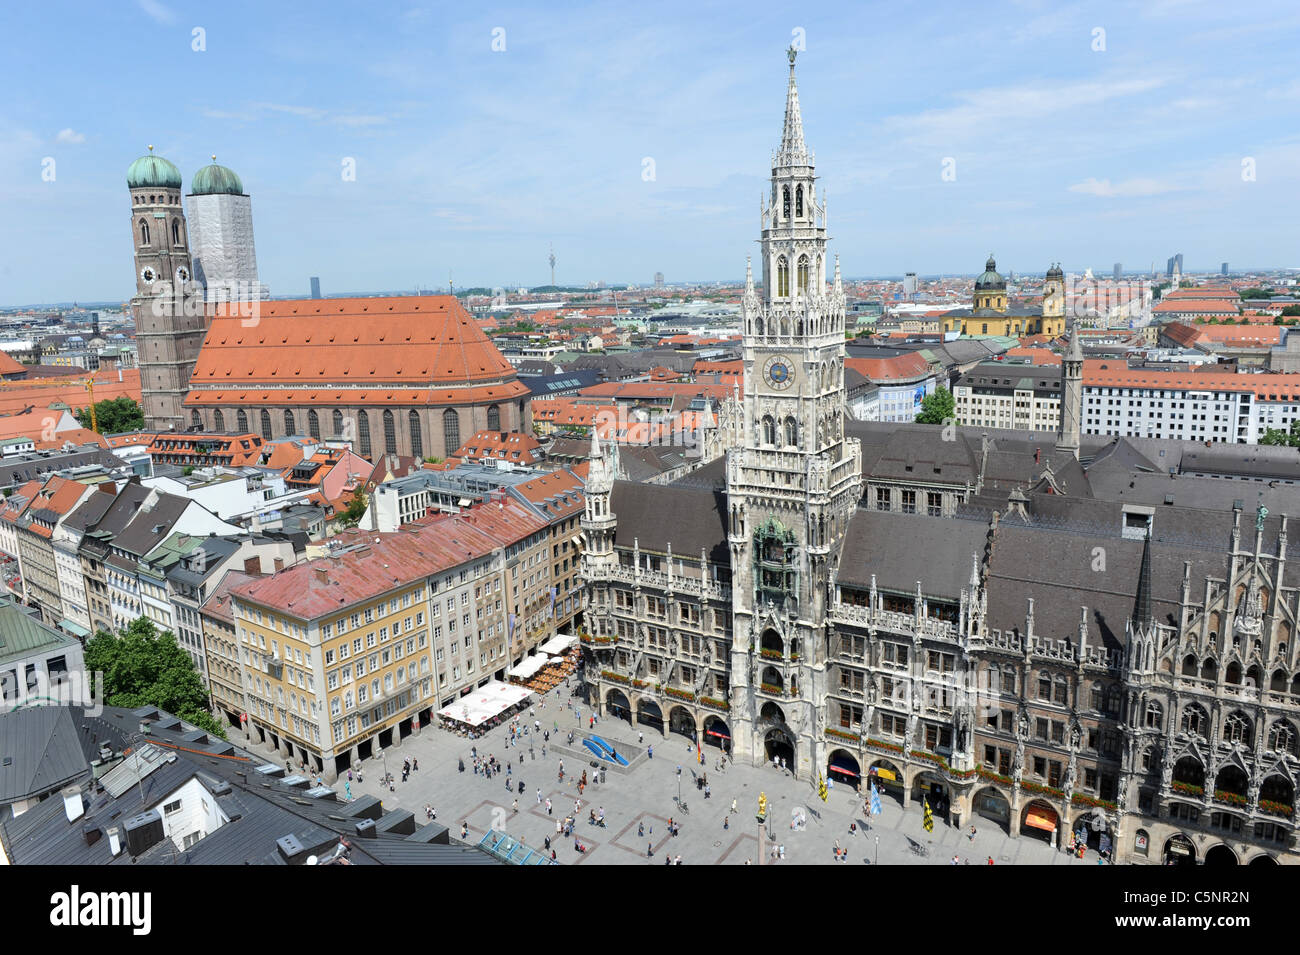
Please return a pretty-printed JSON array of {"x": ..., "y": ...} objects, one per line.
[
  {"x": 1018, "y": 763},
  {"x": 963, "y": 730}
]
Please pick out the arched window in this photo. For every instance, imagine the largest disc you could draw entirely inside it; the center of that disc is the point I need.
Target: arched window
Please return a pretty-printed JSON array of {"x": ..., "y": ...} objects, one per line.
[
  {"x": 1008, "y": 679},
  {"x": 390, "y": 433},
  {"x": 218, "y": 420},
  {"x": 363, "y": 433},
  {"x": 195, "y": 419},
  {"x": 176, "y": 232},
  {"x": 313, "y": 424},
  {"x": 769, "y": 430},
  {"x": 450, "y": 432},
  {"x": 266, "y": 425},
  {"x": 782, "y": 277},
  {"x": 1282, "y": 738},
  {"x": 417, "y": 439},
  {"x": 1194, "y": 720},
  {"x": 144, "y": 232},
  {"x": 494, "y": 418},
  {"x": 241, "y": 421},
  {"x": 798, "y": 202},
  {"x": 785, "y": 202},
  {"x": 290, "y": 426},
  {"x": 1236, "y": 728},
  {"x": 803, "y": 275},
  {"x": 791, "y": 432},
  {"x": 338, "y": 423},
  {"x": 1154, "y": 715}
]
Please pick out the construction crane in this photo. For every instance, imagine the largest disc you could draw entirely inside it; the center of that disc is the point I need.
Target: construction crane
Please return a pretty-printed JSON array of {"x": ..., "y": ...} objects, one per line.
[{"x": 87, "y": 383}]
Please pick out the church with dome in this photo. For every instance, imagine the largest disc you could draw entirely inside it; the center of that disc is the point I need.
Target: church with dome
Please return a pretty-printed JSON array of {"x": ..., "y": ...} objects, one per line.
[
  {"x": 407, "y": 375},
  {"x": 991, "y": 314}
]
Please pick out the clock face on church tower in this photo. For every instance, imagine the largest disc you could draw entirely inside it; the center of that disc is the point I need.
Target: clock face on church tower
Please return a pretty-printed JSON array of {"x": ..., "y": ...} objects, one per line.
[{"x": 778, "y": 372}]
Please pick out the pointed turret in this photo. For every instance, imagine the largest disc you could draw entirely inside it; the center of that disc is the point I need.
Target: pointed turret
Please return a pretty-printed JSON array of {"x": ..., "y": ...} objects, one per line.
[
  {"x": 749, "y": 277},
  {"x": 793, "y": 151},
  {"x": 1142, "y": 618},
  {"x": 839, "y": 281},
  {"x": 1071, "y": 396}
]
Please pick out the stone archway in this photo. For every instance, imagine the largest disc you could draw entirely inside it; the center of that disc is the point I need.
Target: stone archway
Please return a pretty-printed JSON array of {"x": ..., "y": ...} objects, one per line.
[
  {"x": 616, "y": 703},
  {"x": 933, "y": 789},
  {"x": 1220, "y": 855},
  {"x": 992, "y": 804},
  {"x": 843, "y": 767},
  {"x": 1090, "y": 828},
  {"x": 649, "y": 714},
  {"x": 1179, "y": 850},
  {"x": 779, "y": 744},
  {"x": 681, "y": 722},
  {"x": 717, "y": 733},
  {"x": 1263, "y": 860},
  {"x": 888, "y": 779},
  {"x": 1040, "y": 821}
]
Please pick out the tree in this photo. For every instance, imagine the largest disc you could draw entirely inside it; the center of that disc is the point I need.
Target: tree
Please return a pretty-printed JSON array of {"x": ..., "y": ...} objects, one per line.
[
  {"x": 115, "y": 416},
  {"x": 356, "y": 509},
  {"x": 143, "y": 667},
  {"x": 1255, "y": 293},
  {"x": 937, "y": 408},
  {"x": 1277, "y": 436},
  {"x": 1291, "y": 310}
]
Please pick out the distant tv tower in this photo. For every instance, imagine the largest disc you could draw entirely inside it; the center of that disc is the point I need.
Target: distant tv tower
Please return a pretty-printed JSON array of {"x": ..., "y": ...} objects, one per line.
[{"x": 552, "y": 260}]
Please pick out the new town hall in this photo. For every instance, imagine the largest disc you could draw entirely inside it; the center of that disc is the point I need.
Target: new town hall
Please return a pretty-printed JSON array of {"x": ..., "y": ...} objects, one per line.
[{"x": 1059, "y": 637}]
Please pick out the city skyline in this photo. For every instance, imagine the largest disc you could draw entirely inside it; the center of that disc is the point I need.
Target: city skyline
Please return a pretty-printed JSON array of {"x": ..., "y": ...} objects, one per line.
[{"x": 1059, "y": 150}]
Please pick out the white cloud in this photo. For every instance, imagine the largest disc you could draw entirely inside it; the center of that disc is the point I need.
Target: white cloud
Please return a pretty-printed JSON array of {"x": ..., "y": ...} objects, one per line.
[
  {"x": 156, "y": 11},
  {"x": 69, "y": 137},
  {"x": 1125, "y": 189}
]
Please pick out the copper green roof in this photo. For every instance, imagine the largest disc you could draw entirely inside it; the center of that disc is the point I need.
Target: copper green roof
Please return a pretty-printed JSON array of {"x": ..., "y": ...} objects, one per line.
[
  {"x": 22, "y": 635},
  {"x": 990, "y": 279},
  {"x": 216, "y": 180},
  {"x": 153, "y": 171}
]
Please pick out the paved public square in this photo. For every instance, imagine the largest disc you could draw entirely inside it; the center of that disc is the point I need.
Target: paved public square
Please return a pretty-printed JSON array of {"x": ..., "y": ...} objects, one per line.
[{"x": 646, "y": 794}]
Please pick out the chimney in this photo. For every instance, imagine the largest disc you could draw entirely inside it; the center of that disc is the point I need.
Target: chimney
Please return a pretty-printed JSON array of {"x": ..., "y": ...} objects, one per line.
[
  {"x": 252, "y": 566},
  {"x": 279, "y": 564},
  {"x": 72, "y": 804},
  {"x": 322, "y": 575},
  {"x": 114, "y": 841}
]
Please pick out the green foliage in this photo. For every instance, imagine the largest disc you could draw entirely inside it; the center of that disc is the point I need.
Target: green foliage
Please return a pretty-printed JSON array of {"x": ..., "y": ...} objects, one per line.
[
  {"x": 938, "y": 407},
  {"x": 1277, "y": 436},
  {"x": 1291, "y": 310},
  {"x": 115, "y": 416},
  {"x": 1186, "y": 283},
  {"x": 432, "y": 460},
  {"x": 143, "y": 667},
  {"x": 356, "y": 509},
  {"x": 187, "y": 470},
  {"x": 1255, "y": 293}
]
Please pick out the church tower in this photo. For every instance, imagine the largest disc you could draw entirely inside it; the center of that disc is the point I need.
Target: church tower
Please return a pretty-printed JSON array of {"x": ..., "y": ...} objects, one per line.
[
  {"x": 168, "y": 304},
  {"x": 793, "y": 483},
  {"x": 1071, "y": 396}
]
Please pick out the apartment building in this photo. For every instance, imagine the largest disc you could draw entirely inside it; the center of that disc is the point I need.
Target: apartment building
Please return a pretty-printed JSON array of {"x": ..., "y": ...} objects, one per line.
[{"x": 1005, "y": 395}]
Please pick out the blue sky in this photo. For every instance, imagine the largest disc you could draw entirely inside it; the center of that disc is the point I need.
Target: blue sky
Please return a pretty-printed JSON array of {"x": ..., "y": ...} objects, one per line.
[{"x": 474, "y": 161}]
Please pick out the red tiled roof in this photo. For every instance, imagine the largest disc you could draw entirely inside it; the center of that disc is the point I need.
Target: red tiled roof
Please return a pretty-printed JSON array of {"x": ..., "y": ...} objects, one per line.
[
  {"x": 1113, "y": 373},
  {"x": 506, "y": 445},
  {"x": 898, "y": 368},
  {"x": 412, "y": 349},
  {"x": 332, "y": 584}
]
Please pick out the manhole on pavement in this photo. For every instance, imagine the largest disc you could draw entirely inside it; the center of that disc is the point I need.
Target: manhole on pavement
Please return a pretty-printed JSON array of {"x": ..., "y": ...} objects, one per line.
[{"x": 716, "y": 844}]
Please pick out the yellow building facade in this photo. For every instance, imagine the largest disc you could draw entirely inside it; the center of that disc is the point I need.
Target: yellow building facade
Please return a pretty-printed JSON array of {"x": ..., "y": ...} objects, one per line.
[{"x": 990, "y": 313}]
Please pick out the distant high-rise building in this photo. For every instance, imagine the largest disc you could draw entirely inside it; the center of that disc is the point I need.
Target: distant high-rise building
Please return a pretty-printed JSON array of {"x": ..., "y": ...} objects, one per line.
[
  {"x": 315, "y": 286},
  {"x": 1119, "y": 270},
  {"x": 552, "y": 261},
  {"x": 221, "y": 236},
  {"x": 659, "y": 280},
  {"x": 1223, "y": 269},
  {"x": 1175, "y": 263},
  {"x": 909, "y": 283}
]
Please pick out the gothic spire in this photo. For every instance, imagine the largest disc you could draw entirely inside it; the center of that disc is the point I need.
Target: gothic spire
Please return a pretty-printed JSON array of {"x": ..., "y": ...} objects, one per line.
[
  {"x": 793, "y": 151},
  {"x": 1142, "y": 606}
]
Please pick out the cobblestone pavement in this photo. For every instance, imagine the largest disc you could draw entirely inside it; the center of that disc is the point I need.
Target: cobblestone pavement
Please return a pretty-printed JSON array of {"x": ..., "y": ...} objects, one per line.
[{"x": 639, "y": 803}]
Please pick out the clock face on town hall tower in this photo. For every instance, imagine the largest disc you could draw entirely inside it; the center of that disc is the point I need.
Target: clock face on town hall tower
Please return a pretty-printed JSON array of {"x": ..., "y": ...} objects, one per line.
[{"x": 778, "y": 372}]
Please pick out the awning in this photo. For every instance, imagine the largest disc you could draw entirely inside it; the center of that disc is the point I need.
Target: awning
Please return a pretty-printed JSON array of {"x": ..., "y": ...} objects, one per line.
[
  {"x": 843, "y": 771},
  {"x": 529, "y": 665},
  {"x": 883, "y": 773},
  {"x": 558, "y": 644},
  {"x": 479, "y": 705},
  {"x": 76, "y": 629},
  {"x": 717, "y": 734},
  {"x": 1041, "y": 819}
]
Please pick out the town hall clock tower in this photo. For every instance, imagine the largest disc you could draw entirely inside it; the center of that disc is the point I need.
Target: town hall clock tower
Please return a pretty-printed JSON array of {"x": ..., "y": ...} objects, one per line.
[{"x": 794, "y": 481}]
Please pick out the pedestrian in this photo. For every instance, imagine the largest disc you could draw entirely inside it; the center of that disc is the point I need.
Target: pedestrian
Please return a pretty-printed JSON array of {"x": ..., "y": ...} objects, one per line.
[
  {"x": 539, "y": 796},
  {"x": 972, "y": 834},
  {"x": 415, "y": 765},
  {"x": 640, "y": 830},
  {"x": 955, "y": 860},
  {"x": 464, "y": 829},
  {"x": 514, "y": 807},
  {"x": 733, "y": 805},
  {"x": 649, "y": 850},
  {"x": 548, "y": 807},
  {"x": 726, "y": 822},
  {"x": 990, "y": 860},
  {"x": 650, "y": 752},
  {"x": 707, "y": 790},
  {"x": 640, "y": 736},
  {"x": 349, "y": 775}
]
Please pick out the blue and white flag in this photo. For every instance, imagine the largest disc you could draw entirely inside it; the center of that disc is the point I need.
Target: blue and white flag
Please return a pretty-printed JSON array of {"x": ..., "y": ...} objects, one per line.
[{"x": 875, "y": 800}]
